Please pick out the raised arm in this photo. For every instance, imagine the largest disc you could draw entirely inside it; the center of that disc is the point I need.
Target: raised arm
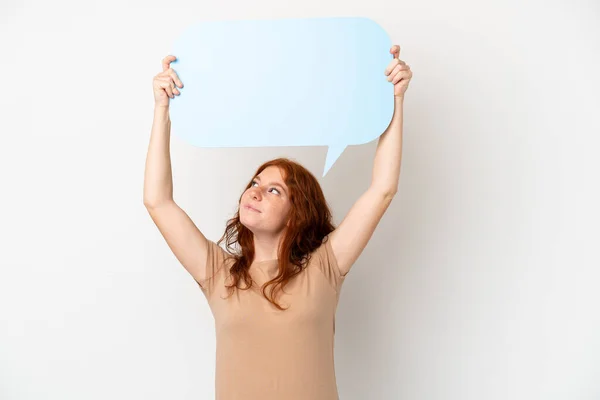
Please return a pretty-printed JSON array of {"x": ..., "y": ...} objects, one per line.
[
  {"x": 183, "y": 237},
  {"x": 350, "y": 238}
]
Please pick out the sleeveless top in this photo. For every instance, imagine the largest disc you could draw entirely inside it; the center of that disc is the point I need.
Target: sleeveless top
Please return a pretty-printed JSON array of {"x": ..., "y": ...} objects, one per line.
[{"x": 263, "y": 353}]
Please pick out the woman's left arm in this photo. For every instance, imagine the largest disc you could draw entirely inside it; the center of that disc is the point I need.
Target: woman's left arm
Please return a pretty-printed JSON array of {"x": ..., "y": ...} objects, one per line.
[{"x": 350, "y": 238}]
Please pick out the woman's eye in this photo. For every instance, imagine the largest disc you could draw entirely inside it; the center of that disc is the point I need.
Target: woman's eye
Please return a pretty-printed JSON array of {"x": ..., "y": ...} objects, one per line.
[{"x": 278, "y": 192}]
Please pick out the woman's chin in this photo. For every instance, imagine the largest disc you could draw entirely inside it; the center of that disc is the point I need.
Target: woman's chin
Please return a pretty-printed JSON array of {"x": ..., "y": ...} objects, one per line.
[{"x": 247, "y": 222}]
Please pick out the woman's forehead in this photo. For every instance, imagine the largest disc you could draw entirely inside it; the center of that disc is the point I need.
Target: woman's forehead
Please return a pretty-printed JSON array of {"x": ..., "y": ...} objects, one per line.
[{"x": 271, "y": 175}]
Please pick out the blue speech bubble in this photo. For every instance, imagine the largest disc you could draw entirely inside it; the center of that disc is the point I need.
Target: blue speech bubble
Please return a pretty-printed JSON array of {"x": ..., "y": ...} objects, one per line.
[{"x": 285, "y": 82}]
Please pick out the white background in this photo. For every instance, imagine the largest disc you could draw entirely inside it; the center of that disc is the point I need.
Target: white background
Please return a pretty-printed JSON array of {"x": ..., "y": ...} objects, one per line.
[{"x": 481, "y": 281}]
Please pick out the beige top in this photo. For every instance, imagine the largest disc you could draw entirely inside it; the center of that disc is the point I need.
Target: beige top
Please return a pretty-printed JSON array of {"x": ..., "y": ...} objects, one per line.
[{"x": 267, "y": 354}]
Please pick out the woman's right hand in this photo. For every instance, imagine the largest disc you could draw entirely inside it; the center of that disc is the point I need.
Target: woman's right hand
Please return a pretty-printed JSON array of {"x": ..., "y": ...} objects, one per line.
[{"x": 164, "y": 84}]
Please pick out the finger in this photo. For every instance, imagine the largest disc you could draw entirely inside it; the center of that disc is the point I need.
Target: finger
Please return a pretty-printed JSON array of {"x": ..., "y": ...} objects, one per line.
[
  {"x": 401, "y": 75},
  {"x": 174, "y": 89},
  {"x": 395, "y": 62},
  {"x": 394, "y": 72},
  {"x": 397, "y": 68},
  {"x": 391, "y": 66},
  {"x": 170, "y": 76},
  {"x": 173, "y": 86},
  {"x": 395, "y": 50},
  {"x": 175, "y": 77},
  {"x": 166, "y": 83},
  {"x": 166, "y": 61}
]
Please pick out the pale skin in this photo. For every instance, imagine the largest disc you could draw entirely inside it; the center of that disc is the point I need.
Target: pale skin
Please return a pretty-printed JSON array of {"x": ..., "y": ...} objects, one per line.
[
  {"x": 348, "y": 240},
  {"x": 269, "y": 195}
]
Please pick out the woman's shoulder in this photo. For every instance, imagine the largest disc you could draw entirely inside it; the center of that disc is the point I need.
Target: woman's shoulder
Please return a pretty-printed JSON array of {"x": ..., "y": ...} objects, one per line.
[{"x": 324, "y": 259}]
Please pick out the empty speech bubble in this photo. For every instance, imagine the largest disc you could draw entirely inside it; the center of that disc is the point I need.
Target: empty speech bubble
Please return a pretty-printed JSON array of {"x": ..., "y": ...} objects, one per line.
[{"x": 284, "y": 82}]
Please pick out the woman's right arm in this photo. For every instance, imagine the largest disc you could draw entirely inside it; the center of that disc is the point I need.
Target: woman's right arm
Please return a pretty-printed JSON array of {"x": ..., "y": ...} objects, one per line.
[{"x": 185, "y": 240}]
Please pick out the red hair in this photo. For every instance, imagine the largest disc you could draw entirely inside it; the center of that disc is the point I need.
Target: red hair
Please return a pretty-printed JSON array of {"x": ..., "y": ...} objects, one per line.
[{"x": 310, "y": 220}]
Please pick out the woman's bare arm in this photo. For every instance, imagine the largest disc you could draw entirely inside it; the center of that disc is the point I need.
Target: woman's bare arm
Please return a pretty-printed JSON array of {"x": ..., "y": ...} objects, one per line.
[{"x": 181, "y": 234}]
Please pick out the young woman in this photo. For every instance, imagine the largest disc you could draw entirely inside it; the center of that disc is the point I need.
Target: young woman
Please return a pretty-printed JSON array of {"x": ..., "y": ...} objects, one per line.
[{"x": 274, "y": 298}]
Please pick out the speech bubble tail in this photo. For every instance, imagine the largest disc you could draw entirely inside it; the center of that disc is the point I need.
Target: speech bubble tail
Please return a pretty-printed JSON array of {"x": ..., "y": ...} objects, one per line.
[{"x": 333, "y": 153}]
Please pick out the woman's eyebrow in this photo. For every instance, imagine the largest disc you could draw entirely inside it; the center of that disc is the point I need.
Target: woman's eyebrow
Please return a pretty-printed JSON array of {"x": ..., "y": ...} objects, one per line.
[{"x": 272, "y": 183}]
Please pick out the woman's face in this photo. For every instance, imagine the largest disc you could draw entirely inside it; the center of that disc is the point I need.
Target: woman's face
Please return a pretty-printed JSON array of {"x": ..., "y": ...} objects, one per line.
[{"x": 269, "y": 195}]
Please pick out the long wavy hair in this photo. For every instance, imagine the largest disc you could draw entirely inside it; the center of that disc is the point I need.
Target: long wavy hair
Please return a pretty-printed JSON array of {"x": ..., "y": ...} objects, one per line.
[{"x": 310, "y": 221}]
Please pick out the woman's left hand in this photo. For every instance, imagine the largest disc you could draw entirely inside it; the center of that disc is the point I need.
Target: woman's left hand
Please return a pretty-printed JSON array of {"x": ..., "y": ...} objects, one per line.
[{"x": 398, "y": 72}]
